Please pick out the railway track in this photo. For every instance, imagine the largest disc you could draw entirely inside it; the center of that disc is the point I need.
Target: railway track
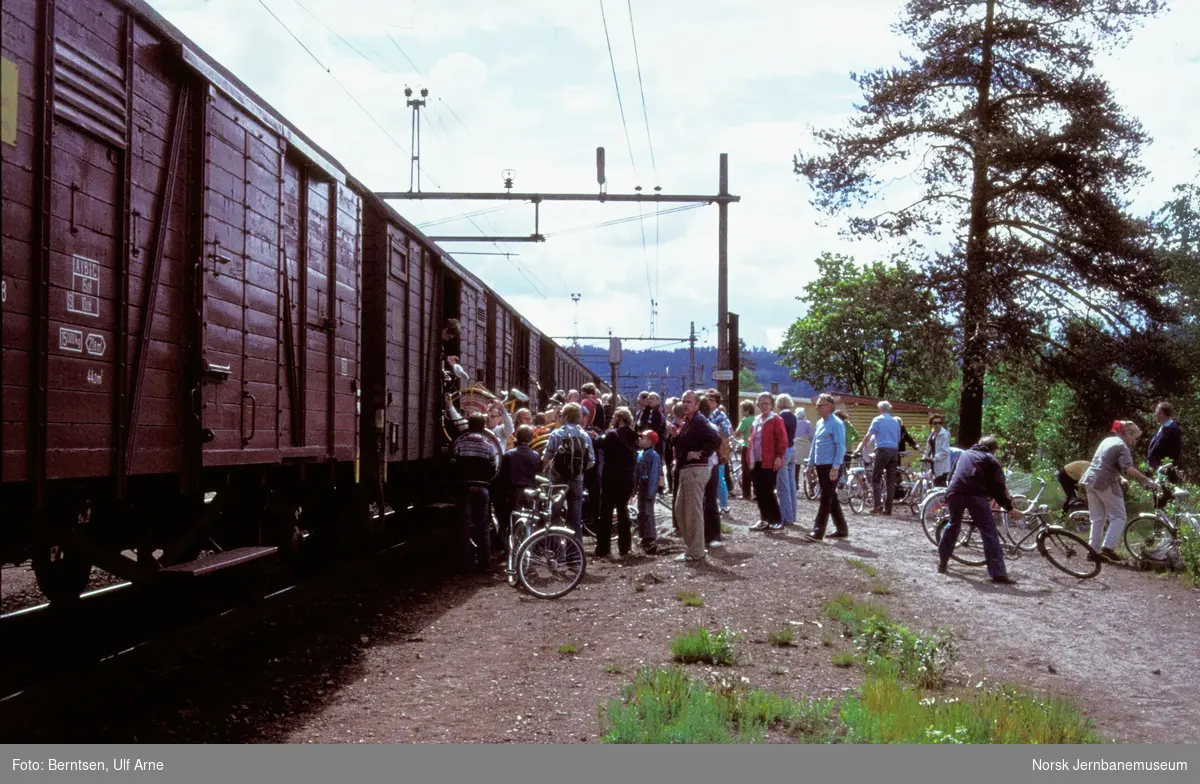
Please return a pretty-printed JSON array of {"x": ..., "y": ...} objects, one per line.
[{"x": 116, "y": 632}]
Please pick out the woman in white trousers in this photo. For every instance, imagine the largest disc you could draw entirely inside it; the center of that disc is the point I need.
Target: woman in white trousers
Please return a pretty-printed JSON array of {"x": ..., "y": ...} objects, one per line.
[{"x": 1106, "y": 497}]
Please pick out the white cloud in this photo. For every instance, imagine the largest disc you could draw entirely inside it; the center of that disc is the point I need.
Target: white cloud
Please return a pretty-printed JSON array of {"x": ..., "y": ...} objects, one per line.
[{"x": 528, "y": 85}]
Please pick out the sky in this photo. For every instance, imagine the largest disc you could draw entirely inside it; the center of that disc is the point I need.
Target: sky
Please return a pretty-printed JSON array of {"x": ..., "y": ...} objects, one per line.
[{"x": 528, "y": 85}]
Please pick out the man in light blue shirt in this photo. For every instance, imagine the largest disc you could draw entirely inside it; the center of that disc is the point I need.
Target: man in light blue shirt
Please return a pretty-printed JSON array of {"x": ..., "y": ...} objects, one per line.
[
  {"x": 824, "y": 459},
  {"x": 886, "y": 432}
]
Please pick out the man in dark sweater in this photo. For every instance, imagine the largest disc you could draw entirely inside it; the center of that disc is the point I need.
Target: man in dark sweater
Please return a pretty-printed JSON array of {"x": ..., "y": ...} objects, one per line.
[
  {"x": 978, "y": 477},
  {"x": 619, "y": 447},
  {"x": 518, "y": 471},
  {"x": 695, "y": 441},
  {"x": 474, "y": 460}
]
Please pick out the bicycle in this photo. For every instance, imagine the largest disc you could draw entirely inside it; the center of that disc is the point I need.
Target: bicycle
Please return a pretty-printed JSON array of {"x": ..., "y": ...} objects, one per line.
[
  {"x": 857, "y": 486},
  {"x": 806, "y": 487},
  {"x": 1154, "y": 536},
  {"x": 1065, "y": 550},
  {"x": 536, "y": 544},
  {"x": 934, "y": 509},
  {"x": 915, "y": 486}
]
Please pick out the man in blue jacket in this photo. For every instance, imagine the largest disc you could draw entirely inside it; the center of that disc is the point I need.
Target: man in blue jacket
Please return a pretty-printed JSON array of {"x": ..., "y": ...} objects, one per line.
[
  {"x": 978, "y": 477},
  {"x": 1167, "y": 443}
]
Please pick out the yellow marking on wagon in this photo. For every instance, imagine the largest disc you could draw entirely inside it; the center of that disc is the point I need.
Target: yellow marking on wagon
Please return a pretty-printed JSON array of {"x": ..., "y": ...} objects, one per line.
[{"x": 8, "y": 101}]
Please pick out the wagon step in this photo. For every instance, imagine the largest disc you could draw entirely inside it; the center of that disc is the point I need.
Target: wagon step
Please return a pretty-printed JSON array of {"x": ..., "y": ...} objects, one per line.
[{"x": 214, "y": 563}]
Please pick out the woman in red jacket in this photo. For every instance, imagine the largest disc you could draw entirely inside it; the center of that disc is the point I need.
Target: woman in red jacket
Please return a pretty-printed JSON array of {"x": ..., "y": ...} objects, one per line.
[{"x": 768, "y": 443}]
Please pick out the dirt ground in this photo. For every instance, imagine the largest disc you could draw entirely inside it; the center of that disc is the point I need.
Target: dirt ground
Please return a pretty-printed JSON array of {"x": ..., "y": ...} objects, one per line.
[{"x": 417, "y": 656}]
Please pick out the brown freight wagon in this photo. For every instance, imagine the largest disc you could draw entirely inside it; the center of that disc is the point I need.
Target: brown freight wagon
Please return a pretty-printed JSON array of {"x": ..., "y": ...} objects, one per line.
[
  {"x": 410, "y": 291},
  {"x": 184, "y": 314}
]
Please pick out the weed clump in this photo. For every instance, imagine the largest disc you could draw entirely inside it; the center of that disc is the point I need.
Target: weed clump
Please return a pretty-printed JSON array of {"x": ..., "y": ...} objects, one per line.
[
  {"x": 667, "y": 706},
  {"x": 700, "y": 645}
]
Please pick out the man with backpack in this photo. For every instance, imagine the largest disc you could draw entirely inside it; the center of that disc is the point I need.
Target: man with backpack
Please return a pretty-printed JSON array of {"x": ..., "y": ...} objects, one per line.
[{"x": 568, "y": 454}]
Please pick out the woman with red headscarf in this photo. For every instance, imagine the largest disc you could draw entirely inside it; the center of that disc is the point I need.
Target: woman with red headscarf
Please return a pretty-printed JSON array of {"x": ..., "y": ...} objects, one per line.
[{"x": 1105, "y": 497}]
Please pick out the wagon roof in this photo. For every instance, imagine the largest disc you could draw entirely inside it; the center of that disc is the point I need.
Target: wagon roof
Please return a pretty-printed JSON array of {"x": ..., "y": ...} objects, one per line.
[{"x": 193, "y": 52}]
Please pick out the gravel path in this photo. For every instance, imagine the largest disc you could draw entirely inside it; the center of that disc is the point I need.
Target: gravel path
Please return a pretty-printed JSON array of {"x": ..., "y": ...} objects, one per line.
[{"x": 417, "y": 656}]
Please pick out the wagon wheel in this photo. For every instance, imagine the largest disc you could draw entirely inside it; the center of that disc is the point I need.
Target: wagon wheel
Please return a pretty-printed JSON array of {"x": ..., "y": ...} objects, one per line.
[{"x": 62, "y": 573}]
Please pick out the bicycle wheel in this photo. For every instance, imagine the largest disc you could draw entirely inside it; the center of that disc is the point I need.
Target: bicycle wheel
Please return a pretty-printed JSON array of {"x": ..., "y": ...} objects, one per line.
[
  {"x": 968, "y": 549},
  {"x": 1145, "y": 536},
  {"x": 1068, "y": 552},
  {"x": 858, "y": 497},
  {"x": 550, "y": 563},
  {"x": 517, "y": 534},
  {"x": 934, "y": 512},
  {"x": 1017, "y": 531}
]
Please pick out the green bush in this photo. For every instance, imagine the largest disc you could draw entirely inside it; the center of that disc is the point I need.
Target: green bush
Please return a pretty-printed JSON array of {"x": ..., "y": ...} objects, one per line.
[
  {"x": 923, "y": 659},
  {"x": 1189, "y": 547}
]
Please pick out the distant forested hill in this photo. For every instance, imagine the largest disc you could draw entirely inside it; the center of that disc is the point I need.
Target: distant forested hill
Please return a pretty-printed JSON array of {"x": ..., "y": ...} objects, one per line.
[{"x": 645, "y": 369}]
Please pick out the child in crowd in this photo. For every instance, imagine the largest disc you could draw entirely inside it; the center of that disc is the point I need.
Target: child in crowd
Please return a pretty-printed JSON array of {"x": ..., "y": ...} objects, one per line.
[{"x": 648, "y": 475}]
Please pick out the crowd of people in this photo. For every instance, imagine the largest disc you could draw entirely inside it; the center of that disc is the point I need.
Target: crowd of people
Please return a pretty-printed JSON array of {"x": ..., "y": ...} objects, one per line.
[{"x": 612, "y": 457}]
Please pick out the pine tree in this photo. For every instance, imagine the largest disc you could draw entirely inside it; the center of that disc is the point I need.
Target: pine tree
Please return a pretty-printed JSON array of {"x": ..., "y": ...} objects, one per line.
[{"x": 1025, "y": 158}]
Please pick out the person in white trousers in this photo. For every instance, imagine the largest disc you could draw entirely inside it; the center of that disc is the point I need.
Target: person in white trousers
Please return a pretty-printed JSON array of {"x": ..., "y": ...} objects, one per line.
[{"x": 1106, "y": 497}]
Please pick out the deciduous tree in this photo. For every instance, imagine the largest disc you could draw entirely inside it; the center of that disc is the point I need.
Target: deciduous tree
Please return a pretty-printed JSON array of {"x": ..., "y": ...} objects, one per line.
[{"x": 869, "y": 331}]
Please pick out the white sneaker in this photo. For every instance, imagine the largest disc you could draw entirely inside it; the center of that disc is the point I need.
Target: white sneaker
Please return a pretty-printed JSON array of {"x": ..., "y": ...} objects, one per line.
[{"x": 716, "y": 543}]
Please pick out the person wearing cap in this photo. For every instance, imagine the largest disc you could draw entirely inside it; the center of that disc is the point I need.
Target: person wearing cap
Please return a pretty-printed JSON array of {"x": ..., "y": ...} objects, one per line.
[
  {"x": 1106, "y": 500},
  {"x": 647, "y": 473}
]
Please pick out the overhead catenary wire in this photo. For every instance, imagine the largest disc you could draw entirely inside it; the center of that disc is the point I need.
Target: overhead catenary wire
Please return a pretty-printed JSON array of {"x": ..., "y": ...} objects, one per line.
[
  {"x": 338, "y": 36},
  {"x": 462, "y": 216},
  {"x": 626, "y": 219},
  {"x": 642, "y": 89},
  {"x": 377, "y": 124},
  {"x": 653, "y": 162},
  {"x": 628, "y": 142},
  {"x": 329, "y": 71}
]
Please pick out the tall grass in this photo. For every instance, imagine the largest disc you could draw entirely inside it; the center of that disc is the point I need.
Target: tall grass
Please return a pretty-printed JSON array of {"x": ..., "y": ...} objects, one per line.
[
  {"x": 852, "y": 613},
  {"x": 667, "y": 706},
  {"x": 889, "y": 711}
]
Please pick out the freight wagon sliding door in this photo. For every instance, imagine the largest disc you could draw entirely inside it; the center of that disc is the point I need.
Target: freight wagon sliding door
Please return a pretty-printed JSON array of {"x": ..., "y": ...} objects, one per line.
[
  {"x": 319, "y": 315},
  {"x": 240, "y": 285}
]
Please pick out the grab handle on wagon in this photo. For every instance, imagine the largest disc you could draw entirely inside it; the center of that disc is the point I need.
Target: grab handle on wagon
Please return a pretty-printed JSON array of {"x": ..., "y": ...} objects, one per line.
[{"x": 253, "y": 419}]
